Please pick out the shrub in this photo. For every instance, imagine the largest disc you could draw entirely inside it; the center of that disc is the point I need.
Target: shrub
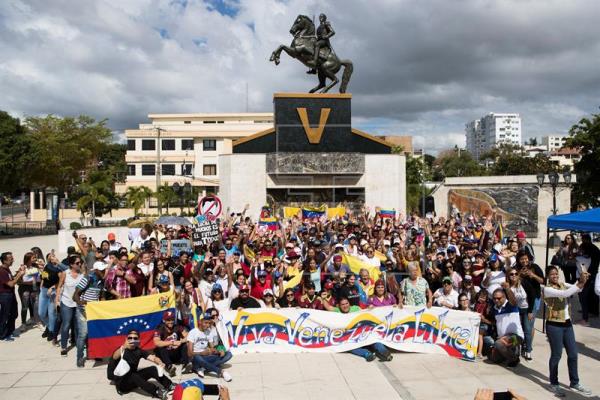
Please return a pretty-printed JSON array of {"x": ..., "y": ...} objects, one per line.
[
  {"x": 75, "y": 225},
  {"x": 123, "y": 222}
]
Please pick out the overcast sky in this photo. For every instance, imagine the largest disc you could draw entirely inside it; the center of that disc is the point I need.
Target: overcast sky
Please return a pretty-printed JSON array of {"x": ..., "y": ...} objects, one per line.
[{"x": 421, "y": 68}]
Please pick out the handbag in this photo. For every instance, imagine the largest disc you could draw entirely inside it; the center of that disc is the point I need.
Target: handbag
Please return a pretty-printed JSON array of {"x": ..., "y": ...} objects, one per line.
[{"x": 122, "y": 367}]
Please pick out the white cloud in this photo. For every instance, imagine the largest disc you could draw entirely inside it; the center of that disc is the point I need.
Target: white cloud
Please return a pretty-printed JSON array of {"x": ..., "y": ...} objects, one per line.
[{"x": 421, "y": 68}]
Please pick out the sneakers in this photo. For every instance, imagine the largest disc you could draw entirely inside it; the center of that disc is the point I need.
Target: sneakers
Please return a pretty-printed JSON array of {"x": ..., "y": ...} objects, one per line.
[
  {"x": 63, "y": 352},
  {"x": 370, "y": 357},
  {"x": 46, "y": 333},
  {"x": 162, "y": 394},
  {"x": 187, "y": 369},
  {"x": 172, "y": 370},
  {"x": 226, "y": 376},
  {"x": 200, "y": 373},
  {"x": 558, "y": 392},
  {"x": 9, "y": 339},
  {"x": 579, "y": 388},
  {"x": 527, "y": 356},
  {"x": 80, "y": 363},
  {"x": 385, "y": 356},
  {"x": 49, "y": 338}
]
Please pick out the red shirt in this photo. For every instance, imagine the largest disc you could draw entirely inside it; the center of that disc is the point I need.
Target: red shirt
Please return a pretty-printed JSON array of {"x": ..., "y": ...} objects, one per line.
[
  {"x": 258, "y": 288},
  {"x": 306, "y": 302},
  {"x": 5, "y": 277}
]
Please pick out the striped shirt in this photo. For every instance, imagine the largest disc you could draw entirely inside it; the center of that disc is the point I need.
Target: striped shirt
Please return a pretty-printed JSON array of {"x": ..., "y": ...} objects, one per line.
[{"x": 91, "y": 288}]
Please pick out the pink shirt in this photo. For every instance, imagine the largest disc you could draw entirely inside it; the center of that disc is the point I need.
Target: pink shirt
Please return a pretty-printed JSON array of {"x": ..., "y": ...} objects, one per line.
[{"x": 388, "y": 300}]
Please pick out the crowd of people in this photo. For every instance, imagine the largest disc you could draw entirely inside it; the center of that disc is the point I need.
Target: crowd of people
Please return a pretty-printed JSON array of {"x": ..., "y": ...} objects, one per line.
[{"x": 462, "y": 263}]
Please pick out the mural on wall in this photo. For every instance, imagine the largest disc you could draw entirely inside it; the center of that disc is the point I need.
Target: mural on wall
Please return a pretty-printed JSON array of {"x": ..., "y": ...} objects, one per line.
[{"x": 516, "y": 206}]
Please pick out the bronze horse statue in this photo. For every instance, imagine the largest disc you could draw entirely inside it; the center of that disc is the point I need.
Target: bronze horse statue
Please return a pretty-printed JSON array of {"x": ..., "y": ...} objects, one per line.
[{"x": 302, "y": 49}]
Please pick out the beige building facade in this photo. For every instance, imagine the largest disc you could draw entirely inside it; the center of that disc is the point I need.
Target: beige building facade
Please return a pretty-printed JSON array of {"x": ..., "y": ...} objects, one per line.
[{"x": 186, "y": 147}]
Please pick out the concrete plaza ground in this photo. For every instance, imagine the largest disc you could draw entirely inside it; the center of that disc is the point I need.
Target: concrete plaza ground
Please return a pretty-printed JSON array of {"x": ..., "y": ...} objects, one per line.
[{"x": 32, "y": 369}]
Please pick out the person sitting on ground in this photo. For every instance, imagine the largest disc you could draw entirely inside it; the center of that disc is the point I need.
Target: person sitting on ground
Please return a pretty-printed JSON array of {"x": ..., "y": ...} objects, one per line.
[
  {"x": 244, "y": 300},
  {"x": 446, "y": 296},
  {"x": 508, "y": 327},
  {"x": 131, "y": 352},
  {"x": 369, "y": 353},
  {"x": 203, "y": 353},
  {"x": 170, "y": 341}
]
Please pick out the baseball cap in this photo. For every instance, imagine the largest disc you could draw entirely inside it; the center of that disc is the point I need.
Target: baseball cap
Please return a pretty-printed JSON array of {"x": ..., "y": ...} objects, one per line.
[
  {"x": 163, "y": 280},
  {"x": 216, "y": 288},
  {"x": 99, "y": 265},
  {"x": 451, "y": 249},
  {"x": 468, "y": 278},
  {"x": 111, "y": 236},
  {"x": 447, "y": 279},
  {"x": 207, "y": 315},
  {"x": 521, "y": 235},
  {"x": 329, "y": 285},
  {"x": 292, "y": 254},
  {"x": 386, "y": 242},
  {"x": 268, "y": 291},
  {"x": 493, "y": 257},
  {"x": 309, "y": 285},
  {"x": 168, "y": 315},
  {"x": 337, "y": 258}
]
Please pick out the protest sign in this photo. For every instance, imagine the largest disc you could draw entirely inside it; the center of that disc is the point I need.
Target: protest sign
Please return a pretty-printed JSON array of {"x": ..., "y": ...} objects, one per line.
[
  {"x": 205, "y": 233},
  {"x": 177, "y": 246},
  {"x": 412, "y": 329},
  {"x": 210, "y": 206}
]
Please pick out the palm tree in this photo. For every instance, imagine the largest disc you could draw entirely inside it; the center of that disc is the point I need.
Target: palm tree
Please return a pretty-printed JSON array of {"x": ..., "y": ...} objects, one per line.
[
  {"x": 166, "y": 195},
  {"x": 137, "y": 196},
  {"x": 93, "y": 193}
]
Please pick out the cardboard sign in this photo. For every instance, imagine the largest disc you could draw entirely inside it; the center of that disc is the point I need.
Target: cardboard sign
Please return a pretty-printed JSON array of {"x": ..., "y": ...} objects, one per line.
[
  {"x": 177, "y": 246},
  {"x": 205, "y": 233},
  {"x": 210, "y": 207}
]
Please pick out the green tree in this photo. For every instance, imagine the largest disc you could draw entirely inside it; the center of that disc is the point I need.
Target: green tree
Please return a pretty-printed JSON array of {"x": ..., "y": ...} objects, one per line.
[
  {"x": 585, "y": 136},
  {"x": 455, "y": 162},
  {"x": 136, "y": 197},
  {"x": 61, "y": 148},
  {"x": 14, "y": 154},
  {"x": 112, "y": 159},
  {"x": 507, "y": 159},
  {"x": 166, "y": 195},
  {"x": 93, "y": 192},
  {"x": 417, "y": 173}
]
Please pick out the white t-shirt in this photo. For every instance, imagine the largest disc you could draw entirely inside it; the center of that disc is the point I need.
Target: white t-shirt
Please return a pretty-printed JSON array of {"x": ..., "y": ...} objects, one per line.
[
  {"x": 374, "y": 261},
  {"x": 495, "y": 282},
  {"x": 520, "y": 296},
  {"x": 224, "y": 282},
  {"x": 221, "y": 305},
  {"x": 451, "y": 298},
  {"x": 199, "y": 339},
  {"x": 205, "y": 288}
]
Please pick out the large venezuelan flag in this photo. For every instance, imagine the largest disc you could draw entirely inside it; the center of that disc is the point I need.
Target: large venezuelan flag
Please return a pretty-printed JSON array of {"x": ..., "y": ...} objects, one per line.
[
  {"x": 313, "y": 212},
  {"x": 109, "y": 321},
  {"x": 270, "y": 223}
]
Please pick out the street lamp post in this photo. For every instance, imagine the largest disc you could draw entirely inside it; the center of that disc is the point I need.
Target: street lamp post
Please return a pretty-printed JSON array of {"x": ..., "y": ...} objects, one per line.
[{"x": 553, "y": 181}]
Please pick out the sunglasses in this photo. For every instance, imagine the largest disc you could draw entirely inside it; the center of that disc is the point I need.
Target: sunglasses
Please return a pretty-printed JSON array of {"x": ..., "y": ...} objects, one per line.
[
  {"x": 268, "y": 295},
  {"x": 132, "y": 338},
  {"x": 214, "y": 316},
  {"x": 289, "y": 295},
  {"x": 512, "y": 274},
  {"x": 498, "y": 298}
]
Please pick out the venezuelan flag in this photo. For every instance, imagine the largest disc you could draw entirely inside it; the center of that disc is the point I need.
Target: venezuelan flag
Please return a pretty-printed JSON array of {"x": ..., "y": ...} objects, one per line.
[
  {"x": 189, "y": 390},
  {"x": 270, "y": 223},
  {"x": 356, "y": 264},
  {"x": 313, "y": 212},
  {"x": 387, "y": 214},
  {"x": 109, "y": 321},
  {"x": 195, "y": 318},
  {"x": 291, "y": 212}
]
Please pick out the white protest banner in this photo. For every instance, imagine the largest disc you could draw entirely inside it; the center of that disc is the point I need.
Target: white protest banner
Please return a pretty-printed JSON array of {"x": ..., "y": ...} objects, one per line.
[
  {"x": 412, "y": 329},
  {"x": 177, "y": 246},
  {"x": 205, "y": 233}
]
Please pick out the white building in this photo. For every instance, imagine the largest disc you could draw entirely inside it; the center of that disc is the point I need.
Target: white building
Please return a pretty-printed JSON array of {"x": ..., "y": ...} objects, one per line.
[
  {"x": 491, "y": 130},
  {"x": 554, "y": 142},
  {"x": 190, "y": 145}
]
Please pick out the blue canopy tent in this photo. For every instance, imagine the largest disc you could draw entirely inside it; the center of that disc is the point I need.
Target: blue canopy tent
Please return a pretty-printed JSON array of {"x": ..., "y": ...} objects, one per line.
[{"x": 582, "y": 221}]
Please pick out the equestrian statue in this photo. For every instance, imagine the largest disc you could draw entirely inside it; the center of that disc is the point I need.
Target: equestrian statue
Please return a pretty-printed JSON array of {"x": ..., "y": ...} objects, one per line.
[{"x": 315, "y": 52}]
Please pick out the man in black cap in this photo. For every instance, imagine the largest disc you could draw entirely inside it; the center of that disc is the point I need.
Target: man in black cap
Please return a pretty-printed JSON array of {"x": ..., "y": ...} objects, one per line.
[{"x": 171, "y": 347}]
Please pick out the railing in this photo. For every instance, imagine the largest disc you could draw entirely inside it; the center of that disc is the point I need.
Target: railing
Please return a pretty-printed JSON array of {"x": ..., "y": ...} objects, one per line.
[{"x": 15, "y": 229}]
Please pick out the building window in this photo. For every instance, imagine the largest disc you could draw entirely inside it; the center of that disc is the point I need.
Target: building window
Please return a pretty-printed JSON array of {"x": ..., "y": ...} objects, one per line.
[
  {"x": 168, "y": 144},
  {"x": 209, "y": 145},
  {"x": 148, "y": 169},
  {"x": 148, "y": 144},
  {"x": 209, "y": 122},
  {"x": 187, "y": 122},
  {"x": 130, "y": 169},
  {"x": 167, "y": 169},
  {"x": 131, "y": 144},
  {"x": 186, "y": 169},
  {"x": 209, "y": 169},
  {"x": 187, "y": 144}
]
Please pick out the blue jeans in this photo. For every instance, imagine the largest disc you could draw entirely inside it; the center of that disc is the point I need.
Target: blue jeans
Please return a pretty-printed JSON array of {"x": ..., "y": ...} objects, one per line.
[
  {"x": 81, "y": 331},
  {"x": 67, "y": 314},
  {"x": 531, "y": 325},
  {"x": 47, "y": 310},
  {"x": 211, "y": 363},
  {"x": 364, "y": 352},
  {"x": 560, "y": 337},
  {"x": 525, "y": 323}
]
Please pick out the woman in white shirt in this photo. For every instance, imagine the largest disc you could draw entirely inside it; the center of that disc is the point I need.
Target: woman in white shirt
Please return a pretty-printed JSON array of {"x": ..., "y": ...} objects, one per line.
[
  {"x": 559, "y": 329},
  {"x": 525, "y": 296},
  {"x": 67, "y": 284}
]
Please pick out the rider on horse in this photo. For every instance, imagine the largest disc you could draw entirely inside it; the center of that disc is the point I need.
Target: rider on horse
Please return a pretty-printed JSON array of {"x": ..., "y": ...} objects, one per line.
[{"x": 324, "y": 32}]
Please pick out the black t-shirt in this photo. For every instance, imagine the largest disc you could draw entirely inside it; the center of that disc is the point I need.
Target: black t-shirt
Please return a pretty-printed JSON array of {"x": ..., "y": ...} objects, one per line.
[
  {"x": 249, "y": 302},
  {"x": 351, "y": 293},
  {"x": 50, "y": 276},
  {"x": 132, "y": 357},
  {"x": 177, "y": 270},
  {"x": 535, "y": 285}
]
